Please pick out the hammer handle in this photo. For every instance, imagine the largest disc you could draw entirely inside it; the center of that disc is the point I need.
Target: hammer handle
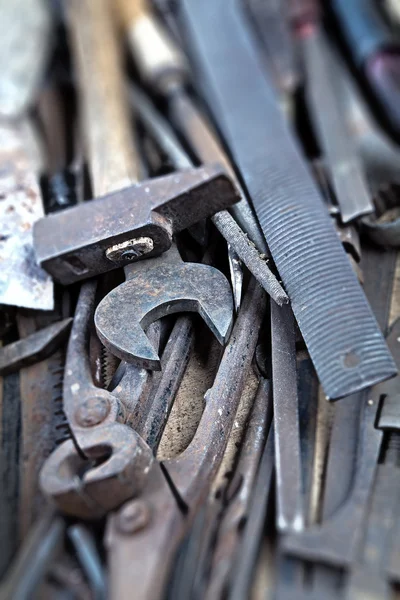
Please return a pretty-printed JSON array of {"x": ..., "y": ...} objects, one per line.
[
  {"x": 156, "y": 55},
  {"x": 110, "y": 149}
]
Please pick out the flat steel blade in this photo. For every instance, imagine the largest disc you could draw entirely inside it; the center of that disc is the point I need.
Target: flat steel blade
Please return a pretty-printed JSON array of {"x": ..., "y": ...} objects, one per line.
[{"x": 339, "y": 329}]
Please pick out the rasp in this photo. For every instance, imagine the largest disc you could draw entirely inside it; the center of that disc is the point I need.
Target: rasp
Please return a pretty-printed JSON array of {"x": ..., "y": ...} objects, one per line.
[{"x": 340, "y": 331}]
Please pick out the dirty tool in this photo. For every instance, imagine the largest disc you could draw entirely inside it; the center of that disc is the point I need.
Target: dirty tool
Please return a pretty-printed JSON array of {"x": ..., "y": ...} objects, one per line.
[
  {"x": 144, "y": 534},
  {"x": 113, "y": 460},
  {"x": 344, "y": 166},
  {"x": 127, "y": 221},
  {"x": 243, "y": 248},
  {"x": 337, "y": 324},
  {"x": 163, "y": 66},
  {"x": 35, "y": 347}
]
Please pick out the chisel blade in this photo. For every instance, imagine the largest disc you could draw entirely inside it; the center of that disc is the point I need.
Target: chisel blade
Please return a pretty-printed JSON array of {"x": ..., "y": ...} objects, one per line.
[{"x": 340, "y": 331}]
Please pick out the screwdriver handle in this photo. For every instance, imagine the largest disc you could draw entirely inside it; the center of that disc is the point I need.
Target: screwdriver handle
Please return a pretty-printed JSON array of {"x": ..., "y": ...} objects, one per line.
[
  {"x": 109, "y": 144},
  {"x": 156, "y": 55}
]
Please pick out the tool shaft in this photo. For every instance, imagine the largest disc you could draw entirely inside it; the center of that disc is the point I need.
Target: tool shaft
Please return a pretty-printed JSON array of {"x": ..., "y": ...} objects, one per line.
[{"x": 112, "y": 157}]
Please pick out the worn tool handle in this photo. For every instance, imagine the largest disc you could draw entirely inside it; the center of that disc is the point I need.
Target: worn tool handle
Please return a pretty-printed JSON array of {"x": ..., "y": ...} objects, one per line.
[
  {"x": 112, "y": 156},
  {"x": 157, "y": 57}
]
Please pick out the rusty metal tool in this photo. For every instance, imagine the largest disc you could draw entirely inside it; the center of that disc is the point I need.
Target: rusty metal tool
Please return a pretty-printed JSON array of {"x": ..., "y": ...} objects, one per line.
[
  {"x": 161, "y": 515},
  {"x": 240, "y": 492},
  {"x": 34, "y": 348},
  {"x": 167, "y": 285},
  {"x": 154, "y": 210},
  {"x": 337, "y": 324},
  {"x": 343, "y": 163},
  {"x": 375, "y": 52},
  {"x": 22, "y": 282},
  {"x": 369, "y": 575},
  {"x": 164, "y": 68},
  {"x": 290, "y": 487},
  {"x": 128, "y": 221},
  {"x": 223, "y": 221},
  {"x": 244, "y": 566},
  {"x": 106, "y": 462},
  {"x": 336, "y": 540}
]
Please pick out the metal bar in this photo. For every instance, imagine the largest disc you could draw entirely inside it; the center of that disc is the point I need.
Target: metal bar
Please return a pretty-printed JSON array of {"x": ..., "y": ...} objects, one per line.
[{"x": 332, "y": 312}]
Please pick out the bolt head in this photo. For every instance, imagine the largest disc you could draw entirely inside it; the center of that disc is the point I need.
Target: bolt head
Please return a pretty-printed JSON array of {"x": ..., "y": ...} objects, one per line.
[
  {"x": 92, "y": 411},
  {"x": 135, "y": 515}
]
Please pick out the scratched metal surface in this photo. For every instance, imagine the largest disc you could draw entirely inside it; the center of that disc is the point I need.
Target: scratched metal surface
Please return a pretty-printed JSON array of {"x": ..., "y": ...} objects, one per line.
[
  {"x": 340, "y": 331},
  {"x": 22, "y": 282}
]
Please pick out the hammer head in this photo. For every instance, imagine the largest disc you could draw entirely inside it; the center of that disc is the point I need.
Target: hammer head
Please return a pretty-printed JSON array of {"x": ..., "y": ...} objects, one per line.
[
  {"x": 133, "y": 223},
  {"x": 157, "y": 291}
]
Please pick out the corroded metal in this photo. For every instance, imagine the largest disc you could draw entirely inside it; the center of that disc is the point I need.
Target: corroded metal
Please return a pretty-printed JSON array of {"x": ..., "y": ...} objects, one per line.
[{"x": 34, "y": 348}]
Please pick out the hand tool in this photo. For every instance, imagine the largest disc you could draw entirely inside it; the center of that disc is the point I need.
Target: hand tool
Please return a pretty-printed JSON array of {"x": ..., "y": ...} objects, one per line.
[
  {"x": 348, "y": 234},
  {"x": 62, "y": 180},
  {"x": 88, "y": 555},
  {"x": 22, "y": 281},
  {"x": 113, "y": 460},
  {"x": 23, "y": 64},
  {"x": 34, "y": 348},
  {"x": 374, "y": 50},
  {"x": 87, "y": 240},
  {"x": 344, "y": 166},
  {"x": 164, "y": 69},
  {"x": 175, "y": 286},
  {"x": 34, "y": 558},
  {"x": 244, "y": 566},
  {"x": 161, "y": 515},
  {"x": 270, "y": 19},
  {"x": 239, "y": 493},
  {"x": 335, "y": 541},
  {"x": 223, "y": 221},
  {"x": 290, "y": 489},
  {"x": 166, "y": 195},
  {"x": 338, "y": 327}
]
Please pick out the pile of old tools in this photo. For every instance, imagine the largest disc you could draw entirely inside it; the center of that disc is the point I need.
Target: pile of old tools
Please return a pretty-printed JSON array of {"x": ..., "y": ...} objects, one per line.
[{"x": 239, "y": 159}]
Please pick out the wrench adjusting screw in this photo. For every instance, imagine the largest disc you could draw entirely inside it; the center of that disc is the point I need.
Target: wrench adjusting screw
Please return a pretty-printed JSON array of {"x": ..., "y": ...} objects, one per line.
[{"x": 130, "y": 249}]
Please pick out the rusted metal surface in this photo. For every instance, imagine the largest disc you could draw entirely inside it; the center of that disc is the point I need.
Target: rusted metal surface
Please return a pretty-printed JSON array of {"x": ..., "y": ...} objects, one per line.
[
  {"x": 166, "y": 286},
  {"x": 196, "y": 129},
  {"x": 176, "y": 489},
  {"x": 22, "y": 281},
  {"x": 72, "y": 245},
  {"x": 240, "y": 491},
  {"x": 34, "y": 348},
  {"x": 92, "y": 415}
]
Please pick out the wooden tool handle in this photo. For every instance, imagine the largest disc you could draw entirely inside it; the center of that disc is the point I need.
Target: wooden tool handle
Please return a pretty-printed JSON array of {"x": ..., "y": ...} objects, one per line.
[
  {"x": 112, "y": 156},
  {"x": 155, "y": 54}
]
